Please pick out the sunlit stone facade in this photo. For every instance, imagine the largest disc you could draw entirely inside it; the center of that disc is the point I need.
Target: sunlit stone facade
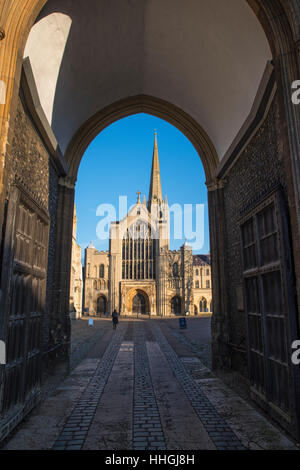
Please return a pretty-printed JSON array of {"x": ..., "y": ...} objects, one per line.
[{"x": 140, "y": 274}]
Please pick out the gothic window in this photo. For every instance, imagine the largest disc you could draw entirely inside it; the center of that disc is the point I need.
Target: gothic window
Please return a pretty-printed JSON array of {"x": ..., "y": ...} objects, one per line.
[
  {"x": 207, "y": 272},
  {"x": 197, "y": 284},
  {"x": 197, "y": 272},
  {"x": 101, "y": 271},
  {"x": 207, "y": 284},
  {"x": 175, "y": 269},
  {"x": 138, "y": 252}
]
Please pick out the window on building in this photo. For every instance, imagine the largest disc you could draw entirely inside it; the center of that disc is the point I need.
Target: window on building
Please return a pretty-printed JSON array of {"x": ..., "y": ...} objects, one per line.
[
  {"x": 138, "y": 252},
  {"x": 197, "y": 284},
  {"x": 101, "y": 270},
  {"x": 175, "y": 269},
  {"x": 207, "y": 284},
  {"x": 197, "y": 272},
  {"x": 207, "y": 272}
]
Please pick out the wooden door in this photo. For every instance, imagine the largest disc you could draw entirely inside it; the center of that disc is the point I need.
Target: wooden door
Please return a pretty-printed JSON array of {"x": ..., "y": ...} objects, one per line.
[{"x": 23, "y": 287}]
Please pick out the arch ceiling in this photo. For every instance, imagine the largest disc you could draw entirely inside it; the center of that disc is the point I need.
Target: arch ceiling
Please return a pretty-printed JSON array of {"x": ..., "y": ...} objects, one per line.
[{"x": 207, "y": 57}]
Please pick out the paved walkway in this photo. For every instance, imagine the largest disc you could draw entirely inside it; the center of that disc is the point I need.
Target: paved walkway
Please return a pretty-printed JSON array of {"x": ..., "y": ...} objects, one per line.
[{"x": 146, "y": 386}]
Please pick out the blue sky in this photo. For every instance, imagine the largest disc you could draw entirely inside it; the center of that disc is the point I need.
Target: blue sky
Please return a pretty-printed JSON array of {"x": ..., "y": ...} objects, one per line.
[{"x": 118, "y": 162}]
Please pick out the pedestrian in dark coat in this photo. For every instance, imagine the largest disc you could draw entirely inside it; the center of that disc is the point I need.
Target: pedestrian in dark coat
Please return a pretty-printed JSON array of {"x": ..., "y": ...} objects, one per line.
[{"x": 115, "y": 319}]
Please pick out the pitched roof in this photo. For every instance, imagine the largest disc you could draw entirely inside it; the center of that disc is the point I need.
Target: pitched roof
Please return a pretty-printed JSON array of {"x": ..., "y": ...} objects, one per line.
[{"x": 201, "y": 260}]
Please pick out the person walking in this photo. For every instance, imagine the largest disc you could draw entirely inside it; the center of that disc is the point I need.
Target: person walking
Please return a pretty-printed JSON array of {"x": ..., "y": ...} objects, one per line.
[{"x": 115, "y": 319}]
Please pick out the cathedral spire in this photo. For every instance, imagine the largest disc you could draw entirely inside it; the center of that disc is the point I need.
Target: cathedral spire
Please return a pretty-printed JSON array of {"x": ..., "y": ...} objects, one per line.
[{"x": 155, "y": 194}]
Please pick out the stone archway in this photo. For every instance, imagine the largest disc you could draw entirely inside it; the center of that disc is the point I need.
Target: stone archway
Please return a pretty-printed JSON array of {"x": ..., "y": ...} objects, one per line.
[
  {"x": 176, "y": 305},
  {"x": 101, "y": 305},
  {"x": 16, "y": 19},
  {"x": 137, "y": 302},
  {"x": 149, "y": 105},
  {"x": 203, "y": 305}
]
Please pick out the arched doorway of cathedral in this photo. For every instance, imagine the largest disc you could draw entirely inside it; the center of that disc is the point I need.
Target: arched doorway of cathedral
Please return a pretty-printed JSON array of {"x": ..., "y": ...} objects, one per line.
[
  {"x": 139, "y": 304},
  {"x": 203, "y": 305},
  {"x": 229, "y": 170},
  {"x": 176, "y": 305},
  {"x": 101, "y": 305}
]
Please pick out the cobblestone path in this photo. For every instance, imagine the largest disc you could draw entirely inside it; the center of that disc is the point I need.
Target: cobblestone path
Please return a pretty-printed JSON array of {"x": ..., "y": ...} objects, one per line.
[
  {"x": 147, "y": 428},
  {"x": 144, "y": 387},
  {"x": 219, "y": 432},
  {"x": 76, "y": 428}
]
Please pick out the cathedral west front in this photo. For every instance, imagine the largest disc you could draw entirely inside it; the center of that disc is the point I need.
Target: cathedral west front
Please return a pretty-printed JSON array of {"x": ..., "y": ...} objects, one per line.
[{"x": 139, "y": 274}]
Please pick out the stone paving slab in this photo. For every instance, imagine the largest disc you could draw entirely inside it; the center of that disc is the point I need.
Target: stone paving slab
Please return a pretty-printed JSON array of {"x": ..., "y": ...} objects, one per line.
[
  {"x": 147, "y": 427},
  {"x": 85, "y": 338},
  {"x": 44, "y": 424},
  {"x": 182, "y": 428},
  {"x": 111, "y": 428},
  {"x": 197, "y": 336},
  {"x": 162, "y": 400},
  {"x": 193, "y": 339},
  {"x": 253, "y": 429},
  {"x": 220, "y": 433},
  {"x": 75, "y": 431}
]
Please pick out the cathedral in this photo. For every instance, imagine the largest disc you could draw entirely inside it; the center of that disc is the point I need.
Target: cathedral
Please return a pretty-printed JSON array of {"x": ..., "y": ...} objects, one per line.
[{"x": 140, "y": 274}]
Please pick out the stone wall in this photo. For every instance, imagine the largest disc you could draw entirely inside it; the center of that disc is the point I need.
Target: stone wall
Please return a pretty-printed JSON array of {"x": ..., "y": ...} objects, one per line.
[
  {"x": 28, "y": 158},
  {"x": 256, "y": 171}
]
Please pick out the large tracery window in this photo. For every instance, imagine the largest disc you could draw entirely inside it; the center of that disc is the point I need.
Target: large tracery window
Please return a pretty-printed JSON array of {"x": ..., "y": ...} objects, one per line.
[{"x": 138, "y": 252}]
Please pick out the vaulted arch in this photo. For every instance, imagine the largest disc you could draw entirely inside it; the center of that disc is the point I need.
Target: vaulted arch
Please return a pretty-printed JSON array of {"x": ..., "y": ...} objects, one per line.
[{"x": 201, "y": 82}]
